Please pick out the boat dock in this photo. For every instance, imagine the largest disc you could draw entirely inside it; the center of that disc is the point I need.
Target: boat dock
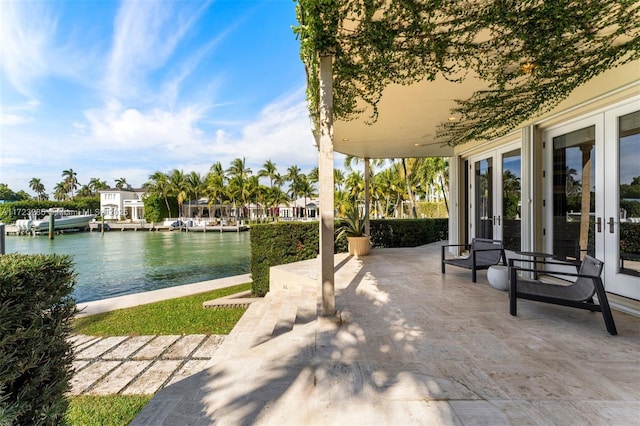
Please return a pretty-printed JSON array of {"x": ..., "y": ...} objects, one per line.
[{"x": 121, "y": 227}]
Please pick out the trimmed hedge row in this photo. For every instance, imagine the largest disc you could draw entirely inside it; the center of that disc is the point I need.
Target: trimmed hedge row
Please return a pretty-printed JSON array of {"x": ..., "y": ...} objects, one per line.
[
  {"x": 277, "y": 244},
  {"x": 36, "y": 309},
  {"x": 408, "y": 232},
  {"x": 281, "y": 243}
]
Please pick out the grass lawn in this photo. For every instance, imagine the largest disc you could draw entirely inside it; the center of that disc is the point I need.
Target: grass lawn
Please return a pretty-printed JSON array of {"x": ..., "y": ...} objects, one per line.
[
  {"x": 184, "y": 315},
  {"x": 112, "y": 410}
]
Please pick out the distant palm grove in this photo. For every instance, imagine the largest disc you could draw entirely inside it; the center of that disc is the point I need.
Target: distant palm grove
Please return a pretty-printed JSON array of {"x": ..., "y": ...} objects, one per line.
[{"x": 412, "y": 187}]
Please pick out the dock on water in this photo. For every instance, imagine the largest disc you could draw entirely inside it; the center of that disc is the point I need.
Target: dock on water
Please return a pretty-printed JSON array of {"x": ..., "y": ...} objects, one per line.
[{"x": 120, "y": 227}]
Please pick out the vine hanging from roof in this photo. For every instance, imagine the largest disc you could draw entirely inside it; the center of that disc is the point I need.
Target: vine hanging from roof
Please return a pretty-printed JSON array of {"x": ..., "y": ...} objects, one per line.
[{"x": 532, "y": 53}]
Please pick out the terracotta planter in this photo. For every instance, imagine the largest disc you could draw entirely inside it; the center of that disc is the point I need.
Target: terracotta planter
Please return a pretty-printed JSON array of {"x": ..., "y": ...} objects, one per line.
[{"x": 359, "y": 246}]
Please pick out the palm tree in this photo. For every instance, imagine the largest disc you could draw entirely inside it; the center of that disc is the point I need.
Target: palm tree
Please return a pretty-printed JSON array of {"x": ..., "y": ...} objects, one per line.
[
  {"x": 314, "y": 175},
  {"x": 158, "y": 184},
  {"x": 214, "y": 187},
  {"x": 269, "y": 170},
  {"x": 95, "y": 185},
  {"x": 293, "y": 176},
  {"x": 38, "y": 187},
  {"x": 121, "y": 183},
  {"x": 60, "y": 192},
  {"x": 306, "y": 189},
  {"x": 276, "y": 196},
  {"x": 238, "y": 174},
  {"x": 338, "y": 179},
  {"x": 70, "y": 181},
  {"x": 195, "y": 186},
  {"x": 408, "y": 177},
  {"x": 178, "y": 187}
]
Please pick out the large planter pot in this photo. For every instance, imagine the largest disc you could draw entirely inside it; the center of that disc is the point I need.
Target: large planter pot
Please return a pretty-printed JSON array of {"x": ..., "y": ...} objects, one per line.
[{"x": 359, "y": 246}]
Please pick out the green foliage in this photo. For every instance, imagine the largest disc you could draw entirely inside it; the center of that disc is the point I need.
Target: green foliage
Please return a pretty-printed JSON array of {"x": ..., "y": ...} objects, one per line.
[
  {"x": 183, "y": 315},
  {"x": 432, "y": 210},
  {"x": 408, "y": 232},
  {"x": 36, "y": 308},
  {"x": 630, "y": 237},
  {"x": 155, "y": 208},
  {"x": 6, "y": 194},
  {"x": 279, "y": 244},
  {"x": 352, "y": 225},
  {"x": 532, "y": 55},
  {"x": 98, "y": 410},
  {"x": 10, "y": 212}
]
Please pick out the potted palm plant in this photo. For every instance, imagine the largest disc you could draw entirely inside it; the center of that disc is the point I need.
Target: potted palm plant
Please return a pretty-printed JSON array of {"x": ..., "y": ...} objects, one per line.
[{"x": 352, "y": 228}]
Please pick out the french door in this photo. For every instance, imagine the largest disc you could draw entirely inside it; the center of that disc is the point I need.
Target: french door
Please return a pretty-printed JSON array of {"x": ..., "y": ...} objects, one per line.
[
  {"x": 592, "y": 203},
  {"x": 494, "y": 198}
]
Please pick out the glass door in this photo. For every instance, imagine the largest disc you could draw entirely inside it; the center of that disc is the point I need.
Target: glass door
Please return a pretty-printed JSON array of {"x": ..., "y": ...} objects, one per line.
[
  {"x": 574, "y": 195},
  {"x": 494, "y": 195},
  {"x": 592, "y": 203},
  {"x": 621, "y": 216}
]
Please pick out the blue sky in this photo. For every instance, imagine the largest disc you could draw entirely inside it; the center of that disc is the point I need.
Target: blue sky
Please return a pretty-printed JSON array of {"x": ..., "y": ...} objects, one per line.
[{"x": 124, "y": 88}]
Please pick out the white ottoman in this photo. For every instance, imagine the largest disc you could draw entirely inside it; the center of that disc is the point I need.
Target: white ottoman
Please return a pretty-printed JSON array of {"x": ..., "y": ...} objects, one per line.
[{"x": 498, "y": 276}]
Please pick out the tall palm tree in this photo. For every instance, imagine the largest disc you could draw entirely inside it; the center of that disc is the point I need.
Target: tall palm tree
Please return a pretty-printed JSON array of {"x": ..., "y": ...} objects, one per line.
[
  {"x": 195, "y": 186},
  {"x": 293, "y": 177},
  {"x": 238, "y": 174},
  {"x": 70, "y": 181},
  {"x": 178, "y": 187},
  {"x": 307, "y": 190},
  {"x": 38, "y": 187},
  {"x": 269, "y": 170},
  {"x": 158, "y": 184},
  {"x": 407, "y": 170},
  {"x": 214, "y": 187}
]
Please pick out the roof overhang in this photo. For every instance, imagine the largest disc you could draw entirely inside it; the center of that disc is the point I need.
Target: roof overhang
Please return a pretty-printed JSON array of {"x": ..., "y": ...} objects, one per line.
[{"x": 408, "y": 119}]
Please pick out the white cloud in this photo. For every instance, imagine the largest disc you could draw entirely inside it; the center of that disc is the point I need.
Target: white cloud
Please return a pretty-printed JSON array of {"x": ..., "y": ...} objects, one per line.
[
  {"x": 146, "y": 35},
  {"x": 7, "y": 119},
  {"x": 25, "y": 30},
  {"x": 120, "y": 128}
]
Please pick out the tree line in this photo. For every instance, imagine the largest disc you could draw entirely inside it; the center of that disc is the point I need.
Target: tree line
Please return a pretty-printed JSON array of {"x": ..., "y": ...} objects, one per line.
[{"x": 396, "y": 186}]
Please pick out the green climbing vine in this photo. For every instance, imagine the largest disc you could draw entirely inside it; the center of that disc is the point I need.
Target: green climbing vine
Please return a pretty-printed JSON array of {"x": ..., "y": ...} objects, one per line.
[{"x": 531, "y": 54}]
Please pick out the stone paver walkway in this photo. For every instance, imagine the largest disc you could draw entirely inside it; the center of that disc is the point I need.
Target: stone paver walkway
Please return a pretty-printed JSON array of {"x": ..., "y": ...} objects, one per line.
[{"x": 138, "y": 364}]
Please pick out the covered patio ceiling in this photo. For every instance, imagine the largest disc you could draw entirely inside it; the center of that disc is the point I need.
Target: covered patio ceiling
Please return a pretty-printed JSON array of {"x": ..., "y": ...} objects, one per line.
[{"x": 408, "y": 118}]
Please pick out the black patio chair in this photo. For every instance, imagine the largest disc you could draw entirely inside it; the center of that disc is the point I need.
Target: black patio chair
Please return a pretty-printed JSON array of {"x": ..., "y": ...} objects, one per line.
[
  {"x": 483, "y": 253},
  {"x": 577, "y": 294}
]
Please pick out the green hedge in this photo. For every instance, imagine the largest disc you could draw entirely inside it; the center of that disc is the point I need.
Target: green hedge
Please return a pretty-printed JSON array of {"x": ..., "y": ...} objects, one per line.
[
  {"x": 36, "y": 309},
  {"x": 282, "y": 243},
  {"x": 408, "y": 232},
  {"x": 279, "y": 243}
]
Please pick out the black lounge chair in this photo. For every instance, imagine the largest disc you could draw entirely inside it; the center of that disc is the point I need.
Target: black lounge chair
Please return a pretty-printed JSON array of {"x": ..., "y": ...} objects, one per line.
[
  {"x": 483, "y": 253},
  {"x": 578, "y": 294}
]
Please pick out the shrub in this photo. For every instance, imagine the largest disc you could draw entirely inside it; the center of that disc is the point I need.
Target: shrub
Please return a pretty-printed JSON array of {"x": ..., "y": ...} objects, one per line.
[
  {"x": 36, "y": 308},
  {"x": 278, "y": 244}
]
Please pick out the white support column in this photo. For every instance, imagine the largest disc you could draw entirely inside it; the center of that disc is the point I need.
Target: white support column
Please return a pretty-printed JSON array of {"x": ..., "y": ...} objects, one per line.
[
  {"x": 454, "y": 200},
  {"x": 325, "y": 186},
  {"x": 367, "y": 197},
  {"x": 526, "y": 190}
]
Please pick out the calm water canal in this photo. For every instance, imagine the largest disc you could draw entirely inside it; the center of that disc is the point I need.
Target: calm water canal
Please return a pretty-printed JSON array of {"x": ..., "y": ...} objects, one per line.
[{"x": 117, "y": 263}]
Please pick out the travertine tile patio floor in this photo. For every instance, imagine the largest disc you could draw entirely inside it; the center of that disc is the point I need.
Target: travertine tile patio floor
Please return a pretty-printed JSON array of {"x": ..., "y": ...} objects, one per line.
[{"x": 413, "y": 347}]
